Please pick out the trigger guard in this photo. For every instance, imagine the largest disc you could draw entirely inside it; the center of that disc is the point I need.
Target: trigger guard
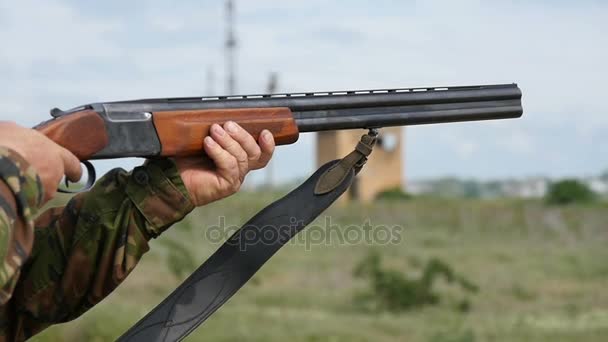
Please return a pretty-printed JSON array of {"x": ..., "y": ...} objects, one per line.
[{"x": 91, "y": 178}]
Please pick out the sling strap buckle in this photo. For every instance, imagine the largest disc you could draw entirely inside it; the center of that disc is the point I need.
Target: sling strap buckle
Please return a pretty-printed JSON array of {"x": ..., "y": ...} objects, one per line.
[{"x": 354, "y": 161}]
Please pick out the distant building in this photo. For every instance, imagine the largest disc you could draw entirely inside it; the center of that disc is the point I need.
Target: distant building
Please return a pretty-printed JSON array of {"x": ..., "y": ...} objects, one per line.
[
  {"x": 527, "y": 188},
  {"x": 384, "y": 169},
  {"x": 453, "y": 187},
  {"x": 598, "y": 185}
]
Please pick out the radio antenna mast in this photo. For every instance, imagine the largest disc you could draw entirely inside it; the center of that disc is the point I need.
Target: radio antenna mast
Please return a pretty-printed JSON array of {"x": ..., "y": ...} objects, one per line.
[{"x": 230, "y": 49}]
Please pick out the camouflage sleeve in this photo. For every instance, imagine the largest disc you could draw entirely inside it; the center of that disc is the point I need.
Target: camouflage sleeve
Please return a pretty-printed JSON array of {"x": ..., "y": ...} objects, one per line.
[
  {"x": 84, "y": 251},
  {"x": 20, "y": 196}
]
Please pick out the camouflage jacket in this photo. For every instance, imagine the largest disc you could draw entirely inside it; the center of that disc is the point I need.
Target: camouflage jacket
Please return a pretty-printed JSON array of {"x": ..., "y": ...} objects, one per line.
[{"x": 56, "y": 267}]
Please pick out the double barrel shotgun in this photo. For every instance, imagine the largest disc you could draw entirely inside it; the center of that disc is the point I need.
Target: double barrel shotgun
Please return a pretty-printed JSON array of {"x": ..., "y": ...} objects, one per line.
[
  {"x": 164, "y": 128},
  {"x": 176, "y": 126}
]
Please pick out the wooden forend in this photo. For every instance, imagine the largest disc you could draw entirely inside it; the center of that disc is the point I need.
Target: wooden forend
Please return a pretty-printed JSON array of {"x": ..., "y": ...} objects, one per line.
[{"x": 181, "y": 133}]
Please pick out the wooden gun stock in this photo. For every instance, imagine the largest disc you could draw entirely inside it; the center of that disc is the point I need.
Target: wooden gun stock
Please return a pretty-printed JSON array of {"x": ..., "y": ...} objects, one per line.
[{"x": 83, "y": 133}]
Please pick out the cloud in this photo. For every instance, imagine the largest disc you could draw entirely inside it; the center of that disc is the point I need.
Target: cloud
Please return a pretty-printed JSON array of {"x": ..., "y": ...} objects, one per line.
[
  {"x": 52, "y": 31},
  {"x": 465, "y": 149},
  {"x": 519, "y": 142}
]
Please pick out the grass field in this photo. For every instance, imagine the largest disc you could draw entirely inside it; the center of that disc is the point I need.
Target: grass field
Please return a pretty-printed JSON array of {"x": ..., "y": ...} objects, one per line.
[{"x": 542, "y": 273}]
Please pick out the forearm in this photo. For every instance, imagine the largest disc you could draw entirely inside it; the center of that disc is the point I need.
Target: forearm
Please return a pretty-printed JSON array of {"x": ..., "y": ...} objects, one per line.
[
  {"x": 84, "y": 251},
  {"x": 20, "y": 195}
]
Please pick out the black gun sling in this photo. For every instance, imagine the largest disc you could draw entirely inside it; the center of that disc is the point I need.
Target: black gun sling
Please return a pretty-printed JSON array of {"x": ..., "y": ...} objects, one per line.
[{"x": 242, "y": 255}]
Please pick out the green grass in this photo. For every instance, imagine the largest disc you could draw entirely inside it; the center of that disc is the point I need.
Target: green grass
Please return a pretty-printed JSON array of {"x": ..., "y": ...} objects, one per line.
[{"x": 542, "y": 273}]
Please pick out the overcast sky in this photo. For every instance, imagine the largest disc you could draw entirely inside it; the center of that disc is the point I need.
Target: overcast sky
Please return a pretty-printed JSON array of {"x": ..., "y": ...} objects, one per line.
[{"x": 67, "y": 53}]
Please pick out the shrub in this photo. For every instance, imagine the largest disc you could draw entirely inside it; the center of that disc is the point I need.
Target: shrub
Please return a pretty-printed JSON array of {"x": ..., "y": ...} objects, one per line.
[
  {"x": 393, "y": 291},
  {"x": 393, "y": 194},
  {"x": 569, "y": 191},
  {"x": 179, "y": 260}
]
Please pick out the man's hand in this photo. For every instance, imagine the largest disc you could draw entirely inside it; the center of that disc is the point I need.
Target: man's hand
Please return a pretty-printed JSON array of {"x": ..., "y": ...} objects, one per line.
[
  {"x": 50, "y": 160},
  {"x": 231, "y": 152}
]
